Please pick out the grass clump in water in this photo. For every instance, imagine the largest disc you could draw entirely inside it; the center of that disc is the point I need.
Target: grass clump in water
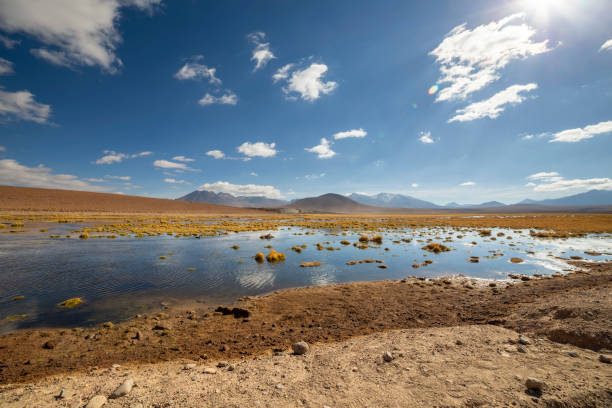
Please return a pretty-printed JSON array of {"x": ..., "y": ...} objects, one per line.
[
  {"x": 259, "y": 257},
  {"x": 274, "y": 256},
  {"x": 16, "y": 298},
  {"x": 163, "y": 257},
  {"x": 235, "y": 247},
  {"x": 84, "y": 236},
  {"x": 70, "y": 303},
  {"x": 311, "y": 264},
  {"x": 377, "y": 239},
  {"x": 436, "y": 248},
  {"x": 16, "y": 317}
]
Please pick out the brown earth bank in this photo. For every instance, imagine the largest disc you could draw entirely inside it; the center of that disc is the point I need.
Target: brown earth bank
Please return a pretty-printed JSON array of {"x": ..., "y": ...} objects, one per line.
[
  {"x": 574, "y": 308},
  {"x": 465, "y": 366},
  {"x": 20, "y": 199}
]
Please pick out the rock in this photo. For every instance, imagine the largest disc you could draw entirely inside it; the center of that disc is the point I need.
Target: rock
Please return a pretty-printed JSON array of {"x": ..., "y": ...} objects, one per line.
[
  {"x": 138, "y": 405},
  {"x": 210, "y": 370},
  {"x": 605, "y": 359},
  {"x": 49, "y": 345},
  {"x": 524, "y": 340},
  {"x": 534, "y": 384},
  {"x": 459, "y": 343},
  {"x": 160, "y": 326},
  {"x": 279, "y": 386},
  {"x": 221, "y": 364},
  {"x": 387, "y": 356},
  {"x": 138, "y": 335},
  {"x": 96, "y": 402},
  {"x": 571, "y": 354},
  {"x": 123, "y": 389},
  {"x": 521, "y": 349},
  {"x": 61, "y": 395},
  {"x": 108, "y": 325},
  {"x": 189, "y": 366},
  {"x": 231, "y": 367},
  {"x": 300, "y": 348}
]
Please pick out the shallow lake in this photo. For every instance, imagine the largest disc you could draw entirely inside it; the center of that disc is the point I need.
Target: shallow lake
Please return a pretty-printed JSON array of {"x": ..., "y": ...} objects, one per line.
[{"x": 118, "y": 278}]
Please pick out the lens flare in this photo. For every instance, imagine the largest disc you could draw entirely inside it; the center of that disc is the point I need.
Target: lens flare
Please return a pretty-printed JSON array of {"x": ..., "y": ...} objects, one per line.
[{"x": 433, "y": 89}]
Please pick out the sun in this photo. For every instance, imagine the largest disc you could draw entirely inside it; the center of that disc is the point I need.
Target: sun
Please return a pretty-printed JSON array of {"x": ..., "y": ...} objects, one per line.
[{"x": 543, "y": 10}]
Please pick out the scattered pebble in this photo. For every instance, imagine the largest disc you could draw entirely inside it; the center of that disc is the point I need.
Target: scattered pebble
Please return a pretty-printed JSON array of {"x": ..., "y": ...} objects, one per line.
[
  {"x": 605, "y": 359},
  {"x": 300, "y": 348},
  {"x": 96, "y": 402},
  {"x": 534, "y": 384},
  {"x": 209, "y": 370},
  {"x": 123, "y": 389},
  {"x": 189, "y": 366},
  {"x": 387, "y": 356},
  {"x": 524, "y": 340}
]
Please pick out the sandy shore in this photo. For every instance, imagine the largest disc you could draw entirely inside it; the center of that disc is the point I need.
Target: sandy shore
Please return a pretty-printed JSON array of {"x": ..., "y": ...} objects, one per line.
[{"x": 467, "y": 366}]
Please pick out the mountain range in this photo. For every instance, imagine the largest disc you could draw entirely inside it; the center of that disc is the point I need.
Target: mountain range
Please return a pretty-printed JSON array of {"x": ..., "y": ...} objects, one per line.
[
  {"x": 357, "y": 202},
  {"x": 210, "y": 197}
]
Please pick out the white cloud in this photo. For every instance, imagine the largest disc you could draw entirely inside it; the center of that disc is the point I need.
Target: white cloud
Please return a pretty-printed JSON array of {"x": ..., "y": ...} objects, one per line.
[
  {"x": 2, "y": 149},
  {"x": 147, "y": 5},
  {"x": 261, "y": 54},
  {"x": 322, "y": 150},
  {"x": 307, "y": 82},
  {"x": 8, "y": 42},
  {"x": 578, "y": 134},
  {"x": 55, "y": 57},
  {"x": 468, "y": 183},
  {"x": 175, "y": 181},
  {"x": 552, "y": 181},
  {"x": 183, "y": 159},
  {"x": 14, "y": 174},
  {"x": 21, "y": 105},
  {"x": 493, "y": 106},
  {"x": 425, "y": 137},
  {"x": 544, "y": 175},
  {"x": 254, "y": 174},
  {"x": 228, "y": 98},
  {"x": 414, "y": 185},
  {"x": 217, "y": 154},
  {"x": 314, "y": 176},
  {"x": 249, "y": 190},
  {"x": 358, "y": 133},
  {"x": 111, "y": 156},
  {"x": 165, "y": 164},
  {"x": 472, "y": 59},
  {"x": 194, "y": 70},
  {"x": 6, "y": 67},
  {"x": 123, "y": 178},
  {"x": 81, "y": 32},
  {"x": 607, "y": 46},
  {"x": 258, "y": 149},
  {"x": 282, "y": 73}
]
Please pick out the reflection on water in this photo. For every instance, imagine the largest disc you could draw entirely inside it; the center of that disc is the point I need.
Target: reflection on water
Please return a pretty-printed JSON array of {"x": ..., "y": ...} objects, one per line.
[{"x": 120, "y": 277}]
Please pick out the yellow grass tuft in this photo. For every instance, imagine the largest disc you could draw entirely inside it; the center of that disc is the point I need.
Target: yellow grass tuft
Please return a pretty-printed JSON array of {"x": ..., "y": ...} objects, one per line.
[
  {"x": 70, "y": 303},
  {"x": 274, "y": 256}
]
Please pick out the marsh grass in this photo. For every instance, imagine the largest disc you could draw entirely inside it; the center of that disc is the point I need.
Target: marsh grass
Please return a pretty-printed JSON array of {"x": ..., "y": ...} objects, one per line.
[
  {"x": 70, "y": 303},
  {"x": 274, "y": 256},
  {"x": 16, "y": 317},
  {"x": 311, "y": 264},
  {"x": 435, "y": 248}
]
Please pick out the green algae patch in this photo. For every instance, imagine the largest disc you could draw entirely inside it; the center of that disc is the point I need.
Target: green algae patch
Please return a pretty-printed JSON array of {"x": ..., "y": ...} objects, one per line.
[
  {"x": 70, "y": 303},
  {"x": 163, "y": 257}
]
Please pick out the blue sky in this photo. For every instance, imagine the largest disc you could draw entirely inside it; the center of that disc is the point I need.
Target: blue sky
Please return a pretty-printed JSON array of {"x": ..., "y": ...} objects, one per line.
[{"x": 292, "y": 99}]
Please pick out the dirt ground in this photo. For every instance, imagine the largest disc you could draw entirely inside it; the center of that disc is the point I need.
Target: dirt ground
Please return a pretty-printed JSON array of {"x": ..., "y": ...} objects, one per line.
[
  {"x": 465, "y": 366},
  {"x": 574, "y": 308}
]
